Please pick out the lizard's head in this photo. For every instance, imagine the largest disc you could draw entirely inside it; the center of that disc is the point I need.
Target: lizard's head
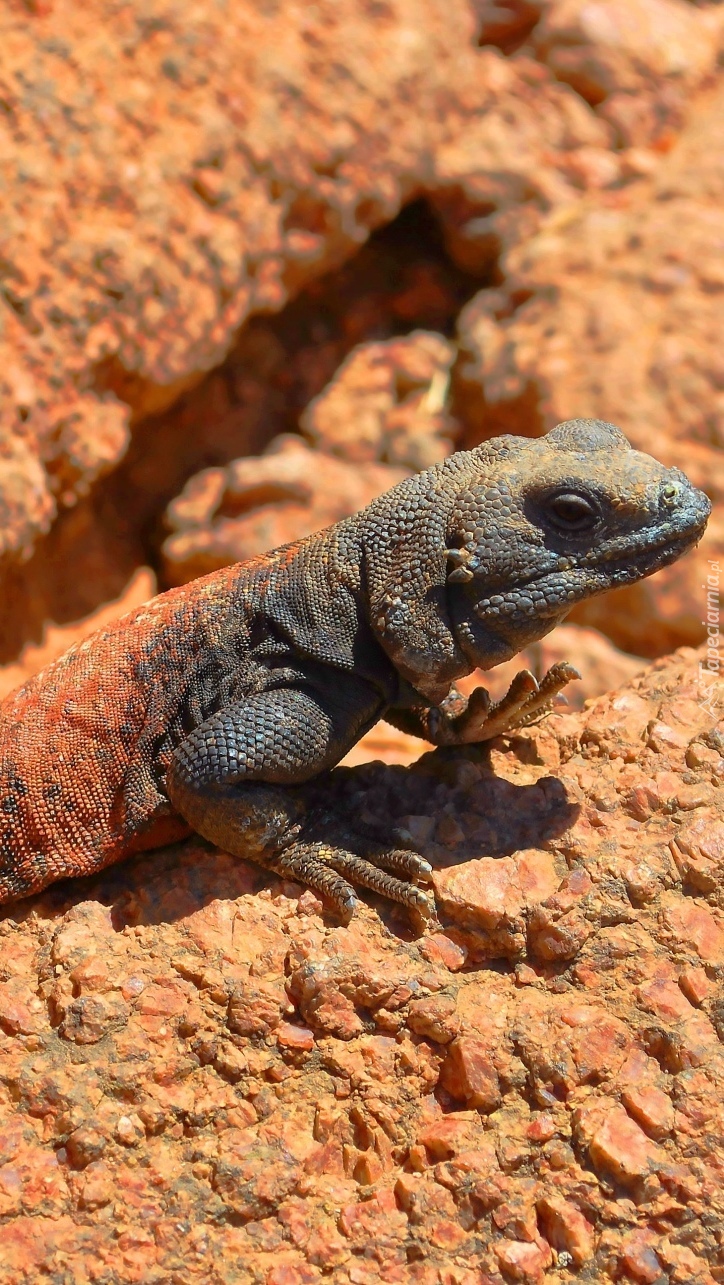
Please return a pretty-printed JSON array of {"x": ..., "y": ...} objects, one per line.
[{"x": 554, "y": 520}]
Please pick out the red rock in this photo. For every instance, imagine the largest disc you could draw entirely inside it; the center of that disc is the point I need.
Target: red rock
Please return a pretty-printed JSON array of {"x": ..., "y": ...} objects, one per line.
[
  {"x": 85, "y": 1146},
  {"x": 663, "y": 738},
  {"x": 90, "y": 1017},
  {"x": 517, "y": 1218},
  {"x": 90, "y": 975},
  {"x": 698, "y": 851},
  {"x": 665, "y": 999},
  {"x": 567, "y": 1229},
  {"x": 386, "y": 403},
  {"x": 696, "y": 927},
  {"x": 588, "y": 1120},
  {"x": 697, "y": 1038},
  {"x": 468, "y": 1074},
  {"x": 256, "y": 1008},
  {"x": 538, "y": 875},
  {"x": 97, "y": 1188},
  {"x": 522, "y": 1261},
  {"x": 651, "y": 1108},
  {"x": 296, "y": 199},
  {"x": 606, "y": 51},
  {"x": 446, "y": 1235},
  {"x": 446, "y": 1136},
  {"x": 599, "y": 1043},
  {"x": 325, "y": 1248},
  {"x": 291, "y": 1274},
  {"x": 378, "y": 1219},
  {"x": 166, "y": 1001},
  {"x": 696, "y": 985},
  {"x": 638, "y": 1257},
  {"x": 542, "y": 1128},
  {"x": 616, "y": 1144},
  {"x": 435, "y": 1018},
  {"x": 552, "y": 937},
  {"x": 130, "y": 1130},
  {"x": 439, "y": 948},
  {"x": 21, "y": 1011},
  {"x": 298, "y": 1039},
  {"x": 491, "y": 893}
]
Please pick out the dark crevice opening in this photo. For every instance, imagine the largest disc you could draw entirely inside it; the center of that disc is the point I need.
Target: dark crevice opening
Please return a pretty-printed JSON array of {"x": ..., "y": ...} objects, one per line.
[{"x": 402, "y": 279}]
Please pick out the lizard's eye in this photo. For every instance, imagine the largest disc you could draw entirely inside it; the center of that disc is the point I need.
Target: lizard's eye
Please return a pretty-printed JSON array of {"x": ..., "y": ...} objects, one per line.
[{"x": 571, "y": 512}]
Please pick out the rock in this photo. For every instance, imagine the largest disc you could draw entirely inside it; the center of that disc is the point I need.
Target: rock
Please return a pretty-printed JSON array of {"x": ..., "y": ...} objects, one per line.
[
  {"x": 298, "y": 1096},
  {"x": 434, "y": 1018},
  {"x": 616, "y": 52},
  {"x": 84, "y": 1146},
  {"x": 512, "y": 149},
  {"x": 615, "y": 1143},
  {"x": 523, "y": 1261},
  {"x": 132, "y": 272},
  {"x": 387, "y": 402},
  {"x": 611, "y": 349},
  {"x": 200, "y": 1069},
  {"x": 226, "y": 515},
  {"x": 635, "y": 61},
  {"x": 468, "y": 1074},
  {"x": 382, "y": 417},
  {"x": 567, "y": 1229}
]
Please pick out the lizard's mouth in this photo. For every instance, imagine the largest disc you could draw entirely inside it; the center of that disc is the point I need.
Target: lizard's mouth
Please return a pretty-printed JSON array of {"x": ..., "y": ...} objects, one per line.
[
  {"x": 656, "y": 550},
  {"x": 555, "y": 591}
]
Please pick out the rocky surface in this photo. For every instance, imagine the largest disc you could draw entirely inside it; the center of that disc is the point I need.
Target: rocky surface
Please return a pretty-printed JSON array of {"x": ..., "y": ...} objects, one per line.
[
  {"x": 203, "y": 1076},
  {"x": 382, "y": 417},
  {"x": 636, "y": 61},
  {"x": 611, "y": 310},
  {"x": 399, "y": 280},
  {"x": 206, "y": 179},
  {"x": 169, "y": 171}
]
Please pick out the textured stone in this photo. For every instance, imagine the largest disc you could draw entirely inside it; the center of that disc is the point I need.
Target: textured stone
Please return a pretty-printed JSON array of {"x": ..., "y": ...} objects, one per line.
[
  {"x": 567, "y": 1229},
  {"x": 206, "y": 178},
  {"x": 630, "y": 339},
  {"x": 469, "y": 1075},
  {"x": 294, "y": 1097},
  {"x": 201, "y": 1073}
]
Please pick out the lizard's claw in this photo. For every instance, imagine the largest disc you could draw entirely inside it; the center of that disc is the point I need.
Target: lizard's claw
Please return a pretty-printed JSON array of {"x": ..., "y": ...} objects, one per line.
[
  {"x": 387, "y": 871},
  {"x": 525, "y": 701},
  {"x": 542, "y": 701}
]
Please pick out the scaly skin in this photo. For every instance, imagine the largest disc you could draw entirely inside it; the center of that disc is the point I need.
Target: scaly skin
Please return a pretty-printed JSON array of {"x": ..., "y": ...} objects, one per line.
[{"x": 209, "y": 708}]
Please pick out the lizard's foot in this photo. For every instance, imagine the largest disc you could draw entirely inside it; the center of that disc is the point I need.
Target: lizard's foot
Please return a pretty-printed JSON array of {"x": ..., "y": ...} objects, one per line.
[
  {"x": 540, "y": 700},
  {"x": 323, "y": 866},
  {"x": 525, "y": 701}
]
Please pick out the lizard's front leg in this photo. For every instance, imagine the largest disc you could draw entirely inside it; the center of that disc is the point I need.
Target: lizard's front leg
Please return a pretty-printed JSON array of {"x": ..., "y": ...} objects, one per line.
[
  {"x": 472, "y": 720},
  {"x": 237, "y": 778}
]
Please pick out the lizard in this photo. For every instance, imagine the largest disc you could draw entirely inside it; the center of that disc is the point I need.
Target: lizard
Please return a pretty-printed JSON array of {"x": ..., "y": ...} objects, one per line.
[{"x": 220, "y": 706}]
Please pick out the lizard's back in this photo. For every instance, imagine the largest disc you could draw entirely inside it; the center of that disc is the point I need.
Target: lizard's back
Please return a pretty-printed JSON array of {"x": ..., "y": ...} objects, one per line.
[{"x": 83, "y": 743}]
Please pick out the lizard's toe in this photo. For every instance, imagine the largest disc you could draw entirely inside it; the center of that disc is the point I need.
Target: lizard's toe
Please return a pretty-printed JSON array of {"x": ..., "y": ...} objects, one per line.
[
  {"x": 308, "y": 863},
  {"x": 373, "y": 874},
  {"x": 333, "y": 869},
  {"x": 344, "y": 860},
  {"x": 400, "y": 861}
]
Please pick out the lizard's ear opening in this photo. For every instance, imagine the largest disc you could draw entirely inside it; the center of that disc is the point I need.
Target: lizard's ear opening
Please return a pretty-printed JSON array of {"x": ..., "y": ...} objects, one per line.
[{"x": 588, "y": 435}]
